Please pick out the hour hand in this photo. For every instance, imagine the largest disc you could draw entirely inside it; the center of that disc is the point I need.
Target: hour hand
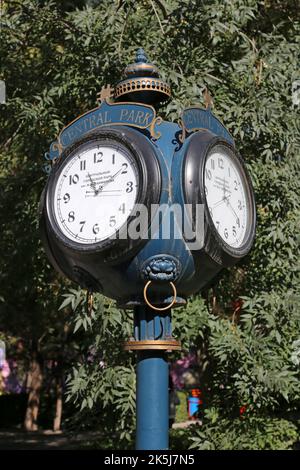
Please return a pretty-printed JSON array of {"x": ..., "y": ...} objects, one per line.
[{"x": 93, "y": 184}]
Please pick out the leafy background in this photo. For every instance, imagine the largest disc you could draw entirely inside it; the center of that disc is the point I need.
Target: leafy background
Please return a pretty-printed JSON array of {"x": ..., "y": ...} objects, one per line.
[{"x": 55, "y": 56}]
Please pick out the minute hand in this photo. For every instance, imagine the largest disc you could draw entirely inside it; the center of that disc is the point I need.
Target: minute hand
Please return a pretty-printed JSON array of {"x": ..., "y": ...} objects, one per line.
[
  {"x": 232, "y": 209},
  {"x": 108, "y": 181}
]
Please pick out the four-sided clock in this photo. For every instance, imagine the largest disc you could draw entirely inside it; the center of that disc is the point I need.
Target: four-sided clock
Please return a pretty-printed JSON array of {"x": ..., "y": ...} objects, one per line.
[{"x": 94, "y": 194}]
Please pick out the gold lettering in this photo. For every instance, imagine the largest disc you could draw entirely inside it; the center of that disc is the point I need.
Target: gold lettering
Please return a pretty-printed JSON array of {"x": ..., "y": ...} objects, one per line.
[
  {"x": 106, "y": 117},
  {"x": 123, "y": 114},
  {"x": 189, "y": 117},
  {"x": 146, "y": 119},
  {"x": 78, "y": 128},
  {"x": 93, "y": 121},
  {"x": 139, "y": 117},
  {"x": 99, "y": 120},
  {"x": 71, "y": 134},
  {"x": 131, "y": 116},
  {"x": 64, "y": 139}
]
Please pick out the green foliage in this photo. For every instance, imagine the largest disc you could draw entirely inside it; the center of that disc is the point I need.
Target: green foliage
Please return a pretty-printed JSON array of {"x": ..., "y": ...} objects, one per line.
[
  {"x": 181, "y": 409},
  {"x": 103, "y": 379},
  {"x": 54, "y": 59},
  {"x": 256, "y": 433}
]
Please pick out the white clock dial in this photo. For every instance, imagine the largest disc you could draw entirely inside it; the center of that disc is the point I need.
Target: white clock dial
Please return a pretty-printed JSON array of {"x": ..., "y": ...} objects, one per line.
[
  {"x": 95, "y": 193},
  {"x": 226, "y": 196}
]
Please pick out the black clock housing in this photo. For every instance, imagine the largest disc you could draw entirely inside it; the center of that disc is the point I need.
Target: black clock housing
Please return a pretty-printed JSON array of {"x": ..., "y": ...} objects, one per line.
[
  {"x": 216, "y": 253},
  {"x": 82, "y": 262}
]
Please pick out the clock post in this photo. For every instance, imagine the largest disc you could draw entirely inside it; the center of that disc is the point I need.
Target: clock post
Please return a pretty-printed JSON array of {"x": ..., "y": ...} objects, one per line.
[
  {"x": 152, "y": 397},
  {"x": 146, "y": 212}
]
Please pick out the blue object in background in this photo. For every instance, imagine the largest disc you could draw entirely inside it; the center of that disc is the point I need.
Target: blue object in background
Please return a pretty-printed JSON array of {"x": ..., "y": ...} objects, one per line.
[{"x": 193, "y": 405}]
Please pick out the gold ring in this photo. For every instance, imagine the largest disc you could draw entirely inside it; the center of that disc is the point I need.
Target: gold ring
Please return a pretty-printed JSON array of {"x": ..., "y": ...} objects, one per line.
[{"x": 160, "y": 309}]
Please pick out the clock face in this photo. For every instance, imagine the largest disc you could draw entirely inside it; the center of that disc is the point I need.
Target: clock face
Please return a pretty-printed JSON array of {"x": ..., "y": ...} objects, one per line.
[
  {"x": 226, "y": 195},
  {"x": 95, "y": 192}
]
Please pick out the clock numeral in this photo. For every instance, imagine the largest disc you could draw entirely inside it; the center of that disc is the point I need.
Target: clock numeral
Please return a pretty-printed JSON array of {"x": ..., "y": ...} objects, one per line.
[
  {"x": 218, "y": 225},
  {"x": 113, "y": 159},
  {"x": 82, "y": 223},
  {"x": 240, "y": 205},
  {"x": 122, "y": 208},
  {"x": 66, "y": 198},
  {"x": 235, "y": 183},
  {"x": 208, "y": 174},
  {"x": 73, "y": 179},
  {"x": 124, "y": 166},
  {"x": 82, "y": 165},
  {"x": 221, "y": 163},
  {"x": 129, "y": 187},
  {"x": 233, "y": 231},
  {"x": 71, "y": 216},
  {"x": 225, "y": 233},
  {"x": 212, "y": 164},
  {"x": 112, "y": 221},
  {"x": 98, "y": 157},
  {"x": 96, "y": 229}
]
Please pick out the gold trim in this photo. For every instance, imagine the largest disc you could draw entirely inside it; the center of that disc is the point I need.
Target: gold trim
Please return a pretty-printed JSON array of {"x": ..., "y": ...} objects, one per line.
[
  {"x": 142, "y": 84},
  {"x": 156, "y": 122},
  {"x": 163, "y": 345},
  {"x": 181, "y": 136},
  {"x": 137, "y": 67},
  {"x": 160, "y": 309},
  {"x": 105, "y": 94},
  {"x": 56, "y": 145}
]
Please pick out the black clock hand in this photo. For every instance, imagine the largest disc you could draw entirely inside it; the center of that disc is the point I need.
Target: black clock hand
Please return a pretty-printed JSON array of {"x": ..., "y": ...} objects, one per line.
[
  {"x": 112, "y": 178},
  {"x": 223, "y": 188},
  {"x": 93, "y": 184},
  {"x": 232, "y": 209},
  {"x": 219, "y": 202},
  {"x": 111, "y": 192}
]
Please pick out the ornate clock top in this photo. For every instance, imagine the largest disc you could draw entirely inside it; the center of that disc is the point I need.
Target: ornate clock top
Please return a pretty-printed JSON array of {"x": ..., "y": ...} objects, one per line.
[{"x": 142, "y": 83}]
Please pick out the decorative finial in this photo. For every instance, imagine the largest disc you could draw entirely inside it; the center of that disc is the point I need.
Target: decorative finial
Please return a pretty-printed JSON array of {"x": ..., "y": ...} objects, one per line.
[
  {"x": 106, "y": 94},
  {"x": 142, "y": 82},
  {"x": 141, "y": 57}
]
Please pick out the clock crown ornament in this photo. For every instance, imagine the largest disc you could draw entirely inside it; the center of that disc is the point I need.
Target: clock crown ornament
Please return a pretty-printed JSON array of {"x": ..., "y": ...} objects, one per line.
[{"x": 142, "y": 83}]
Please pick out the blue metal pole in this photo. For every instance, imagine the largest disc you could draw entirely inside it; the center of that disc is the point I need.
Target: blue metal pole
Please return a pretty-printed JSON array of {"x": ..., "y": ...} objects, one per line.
[
  {"x": 152, "y": 389},
  {"x": 152, "y": 401}
]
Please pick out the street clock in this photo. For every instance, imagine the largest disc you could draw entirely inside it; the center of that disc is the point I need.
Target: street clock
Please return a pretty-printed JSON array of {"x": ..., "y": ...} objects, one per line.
[
  {"x": 118, "y": 161},
  {"x": 121, "y": 156}
]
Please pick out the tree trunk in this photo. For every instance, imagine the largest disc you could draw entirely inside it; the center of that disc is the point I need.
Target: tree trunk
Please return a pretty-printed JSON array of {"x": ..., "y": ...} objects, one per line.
[
  {"x": 35, "y": 379},
  {"x": 59, "y": 405}
]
